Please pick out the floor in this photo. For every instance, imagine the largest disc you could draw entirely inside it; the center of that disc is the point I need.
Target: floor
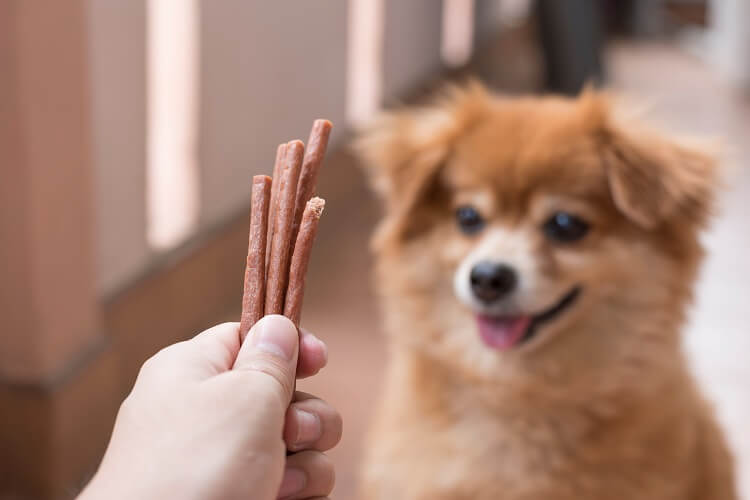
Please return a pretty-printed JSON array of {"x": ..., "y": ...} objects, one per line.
[{"x": 686, "y": 97}]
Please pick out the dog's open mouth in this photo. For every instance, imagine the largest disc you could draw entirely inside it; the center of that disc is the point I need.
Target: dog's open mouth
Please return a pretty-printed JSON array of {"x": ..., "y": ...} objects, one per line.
[{"x": 505, "y": 332}]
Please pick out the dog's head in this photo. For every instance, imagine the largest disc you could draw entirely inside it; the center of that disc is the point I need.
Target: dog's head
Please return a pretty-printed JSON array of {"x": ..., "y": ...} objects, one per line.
[{"x": 535, "y": 237}]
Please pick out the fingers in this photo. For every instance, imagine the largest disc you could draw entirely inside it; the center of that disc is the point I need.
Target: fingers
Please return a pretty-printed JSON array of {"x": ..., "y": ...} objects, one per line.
[
  {"x": 269, "y": 355},
  {"x": 207, "y": 354},
  {"x": 219, "y": 345},
  {"x": 215, "y": 351},
  {"x": 308, "y": 474},
  {"x": 224, "y": 333},
  {"x": 311, "y": 424},
  {"x": 313, "y": 355}
]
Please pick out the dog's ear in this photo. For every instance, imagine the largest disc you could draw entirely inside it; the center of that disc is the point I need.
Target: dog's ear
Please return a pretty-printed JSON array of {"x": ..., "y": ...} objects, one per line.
[
  {"x": 403, "y": 153},
  {"x": 403, "y": 156},
  {"x": 653, "y": 179}
]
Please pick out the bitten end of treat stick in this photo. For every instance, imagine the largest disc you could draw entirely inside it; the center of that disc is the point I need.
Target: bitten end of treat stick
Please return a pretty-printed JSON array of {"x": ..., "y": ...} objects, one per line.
[
  {"x": 316, "y": 206},
  {"x": 301, "y": 259}
]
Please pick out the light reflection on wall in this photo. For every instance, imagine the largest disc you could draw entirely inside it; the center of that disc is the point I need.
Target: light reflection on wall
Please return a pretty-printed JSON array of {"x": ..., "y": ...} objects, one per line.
[
  {"x": 457, "y": 32},
  {"x": 172, "y": 79},
  {"x": 364, "y": 59}
]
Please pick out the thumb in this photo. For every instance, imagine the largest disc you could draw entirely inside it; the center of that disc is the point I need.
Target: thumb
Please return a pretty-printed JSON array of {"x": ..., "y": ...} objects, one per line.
[{"x": 271, "y": 348}]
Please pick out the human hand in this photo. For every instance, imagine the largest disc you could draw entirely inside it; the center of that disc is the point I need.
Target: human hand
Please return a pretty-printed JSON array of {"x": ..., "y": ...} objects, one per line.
[{"x": 209, "y": 418}]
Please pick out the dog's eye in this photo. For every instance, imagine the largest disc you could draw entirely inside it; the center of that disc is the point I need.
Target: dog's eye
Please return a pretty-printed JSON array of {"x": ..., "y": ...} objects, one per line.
[
  {"x": 565, "y": 227},
  {"x": 469, "y": 219}
]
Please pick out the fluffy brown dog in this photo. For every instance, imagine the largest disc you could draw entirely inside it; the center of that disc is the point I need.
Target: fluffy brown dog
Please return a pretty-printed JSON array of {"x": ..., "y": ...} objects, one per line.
[{"x": 535, "y": 263}]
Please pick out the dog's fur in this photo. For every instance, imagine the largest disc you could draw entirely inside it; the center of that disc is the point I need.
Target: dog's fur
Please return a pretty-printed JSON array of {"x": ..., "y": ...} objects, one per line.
[{"x": 599, "y": 404}]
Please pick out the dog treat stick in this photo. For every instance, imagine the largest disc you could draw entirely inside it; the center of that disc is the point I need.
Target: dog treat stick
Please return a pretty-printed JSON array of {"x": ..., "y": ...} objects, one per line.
[
  {"x": 308, "y": 177},
  {"x": 301, "y": 257},
  {"x": 276, "y": 182},
  {"x": 253, "y": 297},
  {"x": 282, "y": 219}
]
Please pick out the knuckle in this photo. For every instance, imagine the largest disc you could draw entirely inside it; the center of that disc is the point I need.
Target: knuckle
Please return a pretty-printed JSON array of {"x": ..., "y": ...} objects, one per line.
[
  {"x": 281, "y": 378},
  {"x": 278, "y": 374},
  {"x": 162, "y": 355},
  {"x": 126, "y": 405},
  {"x": 149, "y": 366}
]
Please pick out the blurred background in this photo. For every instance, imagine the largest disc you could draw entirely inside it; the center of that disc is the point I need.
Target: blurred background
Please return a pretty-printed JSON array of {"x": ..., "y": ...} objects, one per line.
[{"x": 129, "y": 132}]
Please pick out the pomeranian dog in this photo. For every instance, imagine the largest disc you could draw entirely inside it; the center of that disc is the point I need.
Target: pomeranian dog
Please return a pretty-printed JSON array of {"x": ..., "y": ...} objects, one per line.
[{"x": 535, "y": 262}]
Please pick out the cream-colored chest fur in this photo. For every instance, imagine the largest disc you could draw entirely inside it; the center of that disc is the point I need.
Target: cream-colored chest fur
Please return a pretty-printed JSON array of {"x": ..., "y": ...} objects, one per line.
[{"x": 423, "y": 450}]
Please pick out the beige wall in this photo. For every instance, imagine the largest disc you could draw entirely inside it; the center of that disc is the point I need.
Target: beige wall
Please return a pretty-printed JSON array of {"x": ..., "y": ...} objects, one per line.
[
  {"x": 411, "y": 44},
  {"x": 258, "y": 84},
  {"x": 47, "y": 296},
  {"x": 730, "y": 39},
  {"x": 268, "y": 70},
  {"x": 118, "y": 83}
]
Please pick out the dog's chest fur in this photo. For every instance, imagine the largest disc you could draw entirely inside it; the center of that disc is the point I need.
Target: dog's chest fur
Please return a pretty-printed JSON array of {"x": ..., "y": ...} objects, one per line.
[{"x": 423, "y": 449}]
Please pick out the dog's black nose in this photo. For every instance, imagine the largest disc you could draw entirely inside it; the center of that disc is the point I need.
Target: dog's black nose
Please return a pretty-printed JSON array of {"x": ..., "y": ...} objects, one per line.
[{"x": 491, "y": 281}]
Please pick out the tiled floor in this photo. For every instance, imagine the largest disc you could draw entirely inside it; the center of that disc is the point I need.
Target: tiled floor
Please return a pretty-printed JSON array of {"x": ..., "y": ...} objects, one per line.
[{"x": 686, "y": 97}]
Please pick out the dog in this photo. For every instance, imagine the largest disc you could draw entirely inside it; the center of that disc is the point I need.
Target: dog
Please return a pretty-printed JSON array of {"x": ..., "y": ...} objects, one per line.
[{"x": 534, "y": 264}]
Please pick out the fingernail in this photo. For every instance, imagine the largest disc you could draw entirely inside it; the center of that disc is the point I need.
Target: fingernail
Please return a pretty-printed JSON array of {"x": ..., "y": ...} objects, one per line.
[
  {"x": 275, "y": 335},
  {"x": 324, "y": 348},
  {"x": 315, "y": 342},
  {"x": 293, "y": 482},
  {"x": 308, "y": 428}
]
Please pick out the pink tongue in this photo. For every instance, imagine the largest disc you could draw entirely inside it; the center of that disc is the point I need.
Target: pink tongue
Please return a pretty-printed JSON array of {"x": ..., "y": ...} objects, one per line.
[{"x": 502, "y": 332}]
